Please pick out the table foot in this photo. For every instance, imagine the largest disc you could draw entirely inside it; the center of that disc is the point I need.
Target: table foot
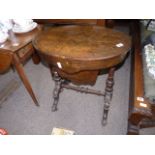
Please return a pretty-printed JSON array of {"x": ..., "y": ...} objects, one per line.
[
  {"x": 104, "y": 121},
  {"x": 54, "y": 107},
  {"x": 105, "y": 113},
  {"x": 108, "y": 95},
  {"x": 57, "y": 90}
]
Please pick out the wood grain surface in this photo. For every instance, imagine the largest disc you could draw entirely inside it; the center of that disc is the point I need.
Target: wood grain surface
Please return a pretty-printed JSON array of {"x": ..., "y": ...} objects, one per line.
[
  {"x": 82, "y": 42},
  {"x": 79, "y": 48}
]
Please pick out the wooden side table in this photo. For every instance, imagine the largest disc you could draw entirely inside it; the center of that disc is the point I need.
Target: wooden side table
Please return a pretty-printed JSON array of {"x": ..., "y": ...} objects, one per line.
[
  {"x": 78, "y": 53},
  {"x": 16, "y": 55}
]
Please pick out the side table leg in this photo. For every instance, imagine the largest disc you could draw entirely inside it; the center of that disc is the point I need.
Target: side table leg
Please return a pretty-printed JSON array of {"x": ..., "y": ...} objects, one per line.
[
  {"x": 35, "y": 58},
  {"x": 57, "y": 90},
  {"x": 20, "y": 70},
  {"x": 108, "y": 95}
]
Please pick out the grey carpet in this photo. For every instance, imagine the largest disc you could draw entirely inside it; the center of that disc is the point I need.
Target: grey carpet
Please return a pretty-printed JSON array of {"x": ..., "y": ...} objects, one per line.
[
  {"x": 79, "y": 112},
  {"x": 7, "y": 90}
]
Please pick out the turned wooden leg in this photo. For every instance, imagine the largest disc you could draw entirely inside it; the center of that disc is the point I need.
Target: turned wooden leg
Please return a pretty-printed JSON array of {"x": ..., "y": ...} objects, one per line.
[
  {"x": 108, "y": 95},
  {"x": 20, "y": 70},
  {"x": 57, "y": 89}
]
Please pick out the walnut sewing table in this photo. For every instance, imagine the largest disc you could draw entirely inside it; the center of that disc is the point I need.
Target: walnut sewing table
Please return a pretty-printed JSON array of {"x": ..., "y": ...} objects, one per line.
[{"x": 78, "y": 53}]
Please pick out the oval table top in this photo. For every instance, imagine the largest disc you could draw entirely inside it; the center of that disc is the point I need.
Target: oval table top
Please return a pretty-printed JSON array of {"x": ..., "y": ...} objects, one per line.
[{"x": 88, "y": 44}]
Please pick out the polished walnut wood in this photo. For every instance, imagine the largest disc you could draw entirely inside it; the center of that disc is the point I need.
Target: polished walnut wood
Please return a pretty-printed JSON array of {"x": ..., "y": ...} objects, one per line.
[
  {"x": 16, "y": 56},
  {"x": 80, "y": 48},
  {"x": 139, "y": 116},
  {"x": 78, "y": 53}
]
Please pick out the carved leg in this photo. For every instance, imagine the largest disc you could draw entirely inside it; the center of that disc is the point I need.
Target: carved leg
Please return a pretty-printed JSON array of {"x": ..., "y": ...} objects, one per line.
[
  {"x": 57, "y": 89},
  {"x": 108, "y": 95}
]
